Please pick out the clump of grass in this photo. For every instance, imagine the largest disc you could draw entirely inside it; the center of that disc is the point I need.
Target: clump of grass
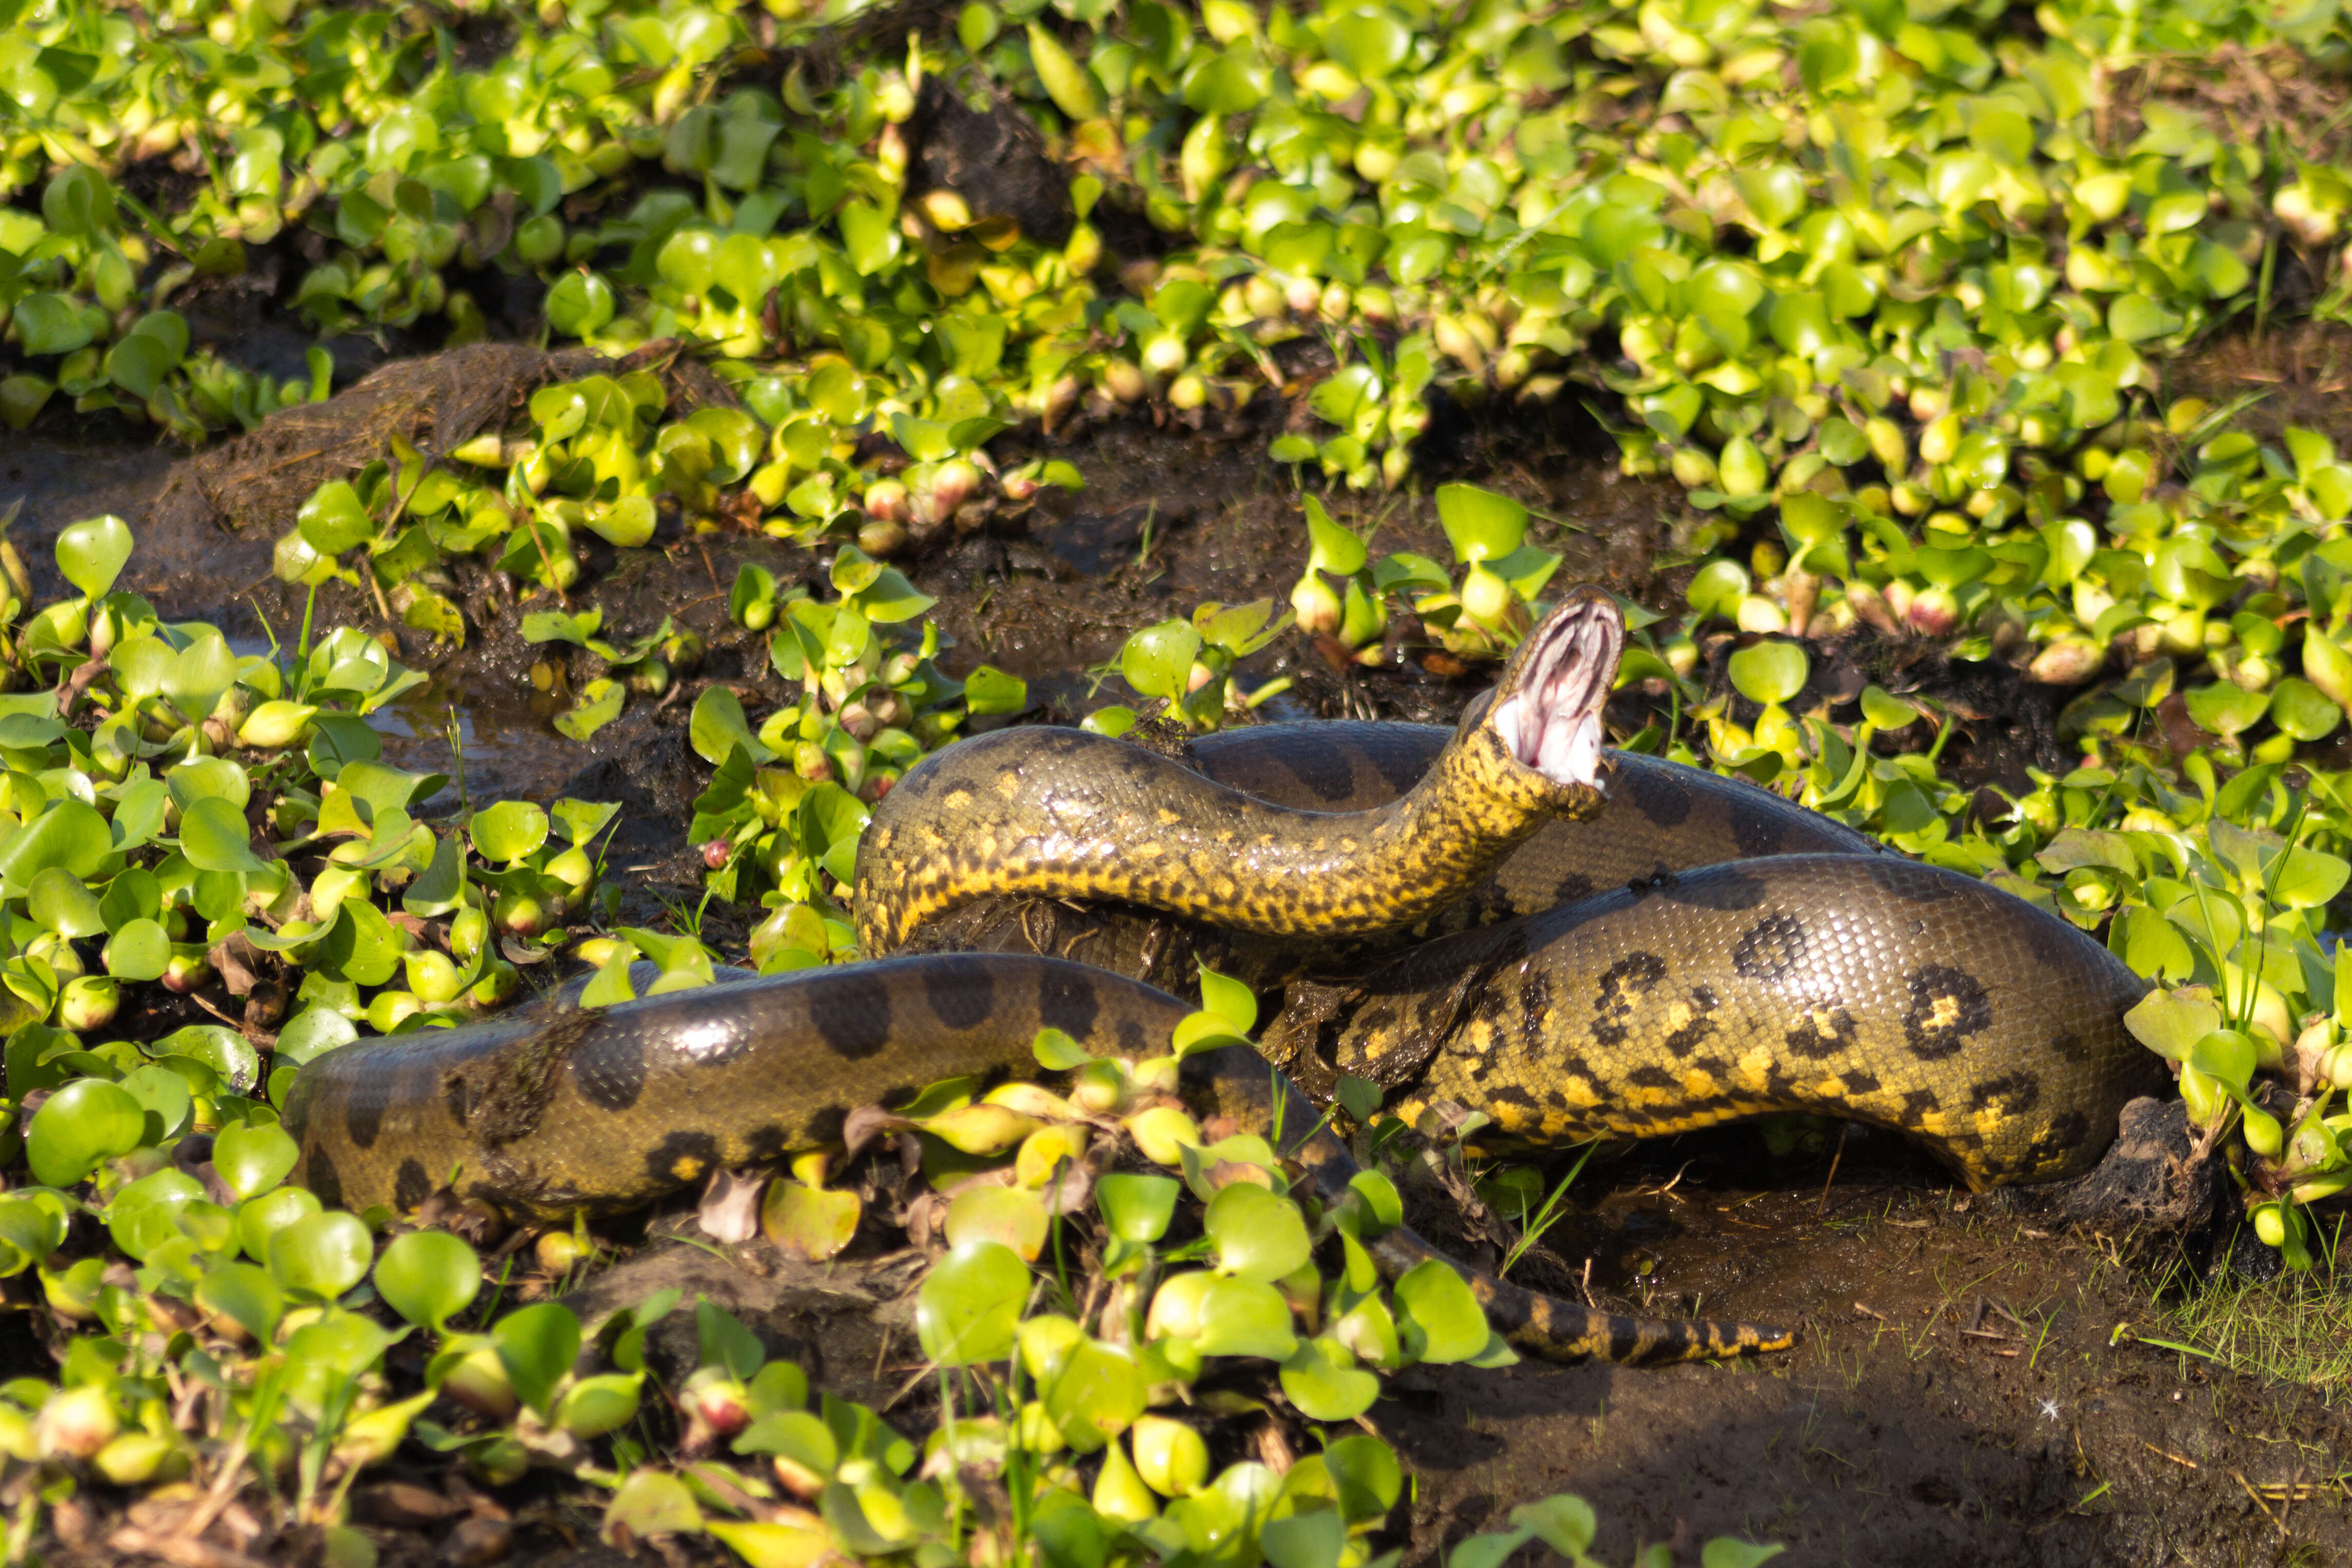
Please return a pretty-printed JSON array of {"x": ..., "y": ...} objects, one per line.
[{"x": 2295, "y": 1328}]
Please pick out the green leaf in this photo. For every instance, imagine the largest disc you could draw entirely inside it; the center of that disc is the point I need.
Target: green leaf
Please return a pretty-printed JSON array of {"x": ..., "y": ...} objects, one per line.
[
  {"x": 1057, "y": 1052},
  {"x": 1244, "y": 1317},
  {"x": 1256, "y": 1235},
  {"x": 1097, "y": 1394},
  {"x": 579, "y": 303},
  {"x": 1370, "y": 41},
  {"x": 601, "y": 701},
  {"x": 139, "y": 951},
  {"x": 717, "y": 726},
  {"x": 91, "y": 553},
  {"x": 1480, "y": 524},
  {"x": 60, "y": 901},
  {"x": 1770, "y": 672},
  {"x": 1438, "y": 1317},
  {"x": 69, "y": 834},
  {"x": 507, "y": 831},
  {"x": 253, "y": 1157},
  {"x": 86, "y": 1121},
  {"x": 988, "y": 689},
  {"x": 1158, "y": 660},
  {"x": 968, "y": 1305},
  {"x": 214, "y": 836},
  {"x": 321, "y": 1255},
  {"x": 49, "y": 324},
  {"x": 537, "y": 1346},
  {"x": 1560, "y": 1521},
  {"x": 1229, "y": 999},
  {"x": 1067, "y": 82},
  {"x": 334, "y": 520},
  {"x": 1137, "y": 1207},
  {"x": 1324, "y": 1381}
]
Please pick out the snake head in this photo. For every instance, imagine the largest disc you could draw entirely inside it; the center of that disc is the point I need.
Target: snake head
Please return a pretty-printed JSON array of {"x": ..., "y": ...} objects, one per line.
[{"x": 1547, "y": 708}]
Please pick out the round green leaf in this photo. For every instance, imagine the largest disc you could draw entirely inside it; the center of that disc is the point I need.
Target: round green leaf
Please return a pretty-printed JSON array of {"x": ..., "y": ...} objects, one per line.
[
  {"x": 258, "y": 1220},
  {"x": 507, "y": 831},
  {"x": 139, "y": 951},
  {"x": 62, "y": 903},
  {"x": 214, "y": 837},
  {"x": 322, "y": 1255},
  {"x": 1244, "y": 1317},
  {"x": 1258, "y": 1235},
  {"x": 1440, "y": 1318},
  {"x": 1480, "y": 524},
  {"x": 1158, "y": 660},
  {"x": 86, "y": 1121},
  {"x": 1326, "y": 1384},
  {"x": 967, "y": 1308},
  {"x": 332, "y": 520},
  {"x": 2302, "y": 710},
  {"x": 579, "y": 303},
  {"x": 253, "y": 1157},
  {"x": 428, "y": 1276},
  {"x": 1770, "y": 672},
  {"x": 1096, "y": 1395}
]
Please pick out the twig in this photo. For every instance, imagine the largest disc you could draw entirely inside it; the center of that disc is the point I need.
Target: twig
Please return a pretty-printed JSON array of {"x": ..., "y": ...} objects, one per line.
[
  {"x": 2185, "y": 1464},
  {"x": 1835, "y": 1155},
  {"x": 2276, "y": 1522}
]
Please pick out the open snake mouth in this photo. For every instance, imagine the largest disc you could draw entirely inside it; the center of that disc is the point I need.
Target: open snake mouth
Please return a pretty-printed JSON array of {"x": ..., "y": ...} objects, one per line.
[{"x": 1548, "y": 710}]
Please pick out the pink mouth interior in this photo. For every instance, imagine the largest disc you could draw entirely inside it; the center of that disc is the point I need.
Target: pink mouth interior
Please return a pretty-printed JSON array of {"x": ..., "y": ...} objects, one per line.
[{"x": 1552, "y": 719}]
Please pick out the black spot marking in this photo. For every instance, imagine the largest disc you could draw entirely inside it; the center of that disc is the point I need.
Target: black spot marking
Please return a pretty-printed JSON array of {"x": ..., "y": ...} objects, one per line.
[
  {"x": 318, "y": 1174},
  {"x": 962, "y": 995},
  {"x": 1823, "y": 1031},
  {"x": 1322, "y": 768},
  {"x": 1512, "y": 1094},
  {"x": 363, "y": 1120},
  {"x": 769, "y": 1145},
  {"x": 851, "y": 1013},
  {"x": 825, "y": 1125},
  {"x": 682, "y": 1157},
  {"x": 2066, "y": 1133},
  {"x": 1861, "y": 1082},
  {"x": 1402, "y": 766},
  {"x": 1066, "y": 1001},
  {"x": 2071, "y": 1047},
  {"x": 1632, "y": 975},
  {"x": 1916, "y": 1104},
  {"x": 411, "y": 1186},
  {"x": 1917, "y": 883},
  {"x": 1574, "y": 886},
  {"x": 1949, "y": 1007},
  {"x": 1700, "y": 1028},
  {"x": 1131, "y": 1040},
  {"x": 1758, "y": 831},
  {"x": 2020, "y": 1091},
  {"x": 1771, "y": 948},
  {"x": 1646, "y": 1076},
  {"x": 611, "y": 1073},
  {"x": 1625, "y": 1345},
  {"x": 1535, "y": 1014},
  {"x": 1657, "y": 795},
  {"x": 1725, "y": 886}
]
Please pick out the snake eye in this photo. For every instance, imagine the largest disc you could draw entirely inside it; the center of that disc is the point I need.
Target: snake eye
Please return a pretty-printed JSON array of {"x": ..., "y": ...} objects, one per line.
[{"x": 1548, "y": 714}]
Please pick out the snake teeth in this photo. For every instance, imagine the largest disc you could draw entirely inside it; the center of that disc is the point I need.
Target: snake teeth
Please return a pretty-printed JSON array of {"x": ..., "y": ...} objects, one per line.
[{"x": 1549, "y": 717}]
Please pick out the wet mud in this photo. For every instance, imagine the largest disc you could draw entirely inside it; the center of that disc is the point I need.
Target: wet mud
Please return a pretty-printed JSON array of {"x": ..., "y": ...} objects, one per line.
[{"x": 1961, "y": 1393}]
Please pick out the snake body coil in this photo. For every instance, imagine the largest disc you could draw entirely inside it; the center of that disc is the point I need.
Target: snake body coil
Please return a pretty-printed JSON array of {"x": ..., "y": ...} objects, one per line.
[{"x": 1841, "y": 979}]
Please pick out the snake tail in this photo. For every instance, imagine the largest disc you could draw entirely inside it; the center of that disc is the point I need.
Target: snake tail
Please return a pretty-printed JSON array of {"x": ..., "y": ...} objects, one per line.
[{"x": 1071, "y": 815}]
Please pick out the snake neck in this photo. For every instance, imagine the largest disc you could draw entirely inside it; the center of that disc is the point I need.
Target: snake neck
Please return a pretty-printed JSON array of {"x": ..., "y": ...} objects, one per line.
[{"x": 1058, "y": 815}]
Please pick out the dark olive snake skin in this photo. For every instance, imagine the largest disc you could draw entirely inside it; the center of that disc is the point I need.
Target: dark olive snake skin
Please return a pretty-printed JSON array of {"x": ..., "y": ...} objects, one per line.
[{"x": 1657, "y": 998}]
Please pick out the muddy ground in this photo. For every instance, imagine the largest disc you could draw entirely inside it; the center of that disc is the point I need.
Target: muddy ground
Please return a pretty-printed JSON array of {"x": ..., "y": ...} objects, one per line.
[{"x": 1961, "y": 1395}]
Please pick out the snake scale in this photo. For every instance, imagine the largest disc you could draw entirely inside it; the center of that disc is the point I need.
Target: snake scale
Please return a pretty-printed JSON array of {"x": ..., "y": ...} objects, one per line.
[{"x": 1576, "y": 943}]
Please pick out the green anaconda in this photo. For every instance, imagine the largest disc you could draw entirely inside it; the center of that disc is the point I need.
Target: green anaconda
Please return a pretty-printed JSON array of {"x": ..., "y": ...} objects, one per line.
[{"x": 1863, "y": 985}]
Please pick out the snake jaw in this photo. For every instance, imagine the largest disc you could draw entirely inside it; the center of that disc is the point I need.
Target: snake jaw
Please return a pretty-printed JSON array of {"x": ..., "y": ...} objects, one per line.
[{"x": 1549, "y": 714}]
